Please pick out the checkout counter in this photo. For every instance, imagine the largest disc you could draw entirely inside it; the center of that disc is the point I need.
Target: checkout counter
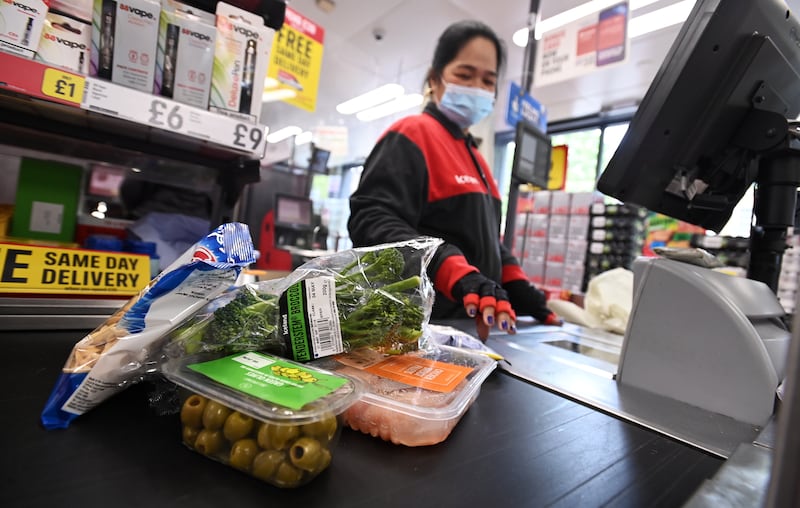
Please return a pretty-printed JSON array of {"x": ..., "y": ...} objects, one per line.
[
  {"x": 289, "y": 236},
  {"x": 518, "y": 445},
  {"x": 564, "y": 422}
]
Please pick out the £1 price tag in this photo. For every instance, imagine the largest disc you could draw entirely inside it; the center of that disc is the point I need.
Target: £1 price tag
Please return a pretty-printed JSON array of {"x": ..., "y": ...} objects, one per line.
[{"x": 63, "y": 85}]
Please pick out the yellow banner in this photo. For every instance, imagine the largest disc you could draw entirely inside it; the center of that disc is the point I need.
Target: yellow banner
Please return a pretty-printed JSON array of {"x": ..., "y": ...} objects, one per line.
[
  {"x": 558, "y": 169},
  {"x": 35, "y": 269},
  {"x": 295, "y": 61}
]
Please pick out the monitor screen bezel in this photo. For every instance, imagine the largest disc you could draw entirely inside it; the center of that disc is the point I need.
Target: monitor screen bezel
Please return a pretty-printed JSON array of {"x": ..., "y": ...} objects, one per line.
[
  {"x": 314, "y": 165},
  {"x": 306, "y": 202},
  {"x": 525, "y": 130},
  {"x": 693, "y": 110}
]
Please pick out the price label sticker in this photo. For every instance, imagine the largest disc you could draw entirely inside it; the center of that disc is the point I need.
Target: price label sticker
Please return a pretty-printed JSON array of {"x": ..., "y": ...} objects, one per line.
[
  {"x": 63, "y": 85},
  {"x": 249, "y": 137},
  {"x": 166, "y": 115}
]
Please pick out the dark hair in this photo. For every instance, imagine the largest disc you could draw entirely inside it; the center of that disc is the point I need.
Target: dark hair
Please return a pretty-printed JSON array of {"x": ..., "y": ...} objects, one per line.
[{"x": 455, "y": 37}]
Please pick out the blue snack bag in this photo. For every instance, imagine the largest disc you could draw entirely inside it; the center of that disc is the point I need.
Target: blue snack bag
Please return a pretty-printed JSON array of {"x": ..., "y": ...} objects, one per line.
[{"x": 125, "y": 347}]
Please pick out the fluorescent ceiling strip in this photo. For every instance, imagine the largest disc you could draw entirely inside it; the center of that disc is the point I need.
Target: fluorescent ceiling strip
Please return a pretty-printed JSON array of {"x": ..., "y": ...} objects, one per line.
[
  {"x": 370, "y": 99},
  {"x": 662, "y": 18},
  {"x": 303, "y": 138},
  {"x": 270, "y": 83},
  {"x": 284, "y": 133},
  {"x": 520, "y": 37},
  {"x": 399, "y": 104},
  {"x": 278, "y": 95}
]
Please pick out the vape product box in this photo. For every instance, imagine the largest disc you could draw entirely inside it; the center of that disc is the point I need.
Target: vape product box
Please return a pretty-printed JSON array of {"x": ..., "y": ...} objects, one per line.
[
  {"x": 80, "y": 9},
  {"x": 240, "y": 62},
  {"x": 21, "y": 23},
  {"x": 124, "y": 42},
  {"x": 65, "y": 42},
  {"x": 185, "y": 58}
]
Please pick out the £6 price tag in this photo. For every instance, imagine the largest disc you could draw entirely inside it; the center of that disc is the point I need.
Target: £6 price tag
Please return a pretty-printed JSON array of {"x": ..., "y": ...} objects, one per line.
[{"x": 165, "y": 116}]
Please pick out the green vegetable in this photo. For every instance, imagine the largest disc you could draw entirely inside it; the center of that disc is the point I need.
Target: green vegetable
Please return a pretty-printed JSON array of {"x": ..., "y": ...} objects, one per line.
[{"x": 376, "y": 308}]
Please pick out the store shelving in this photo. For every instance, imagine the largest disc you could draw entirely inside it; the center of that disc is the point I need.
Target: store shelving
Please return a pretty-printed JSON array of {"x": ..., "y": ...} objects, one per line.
[{"x": 48, "y": 112}]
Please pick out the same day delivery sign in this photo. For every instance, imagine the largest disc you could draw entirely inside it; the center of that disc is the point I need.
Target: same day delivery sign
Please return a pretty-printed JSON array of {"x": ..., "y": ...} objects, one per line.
[{"x": 295, "y": 60}]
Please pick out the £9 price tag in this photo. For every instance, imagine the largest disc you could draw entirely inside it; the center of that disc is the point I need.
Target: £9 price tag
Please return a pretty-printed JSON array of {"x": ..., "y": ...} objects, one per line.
[
  {"x": 249, "y": 137},
  {"x": 63, "y": 85}
]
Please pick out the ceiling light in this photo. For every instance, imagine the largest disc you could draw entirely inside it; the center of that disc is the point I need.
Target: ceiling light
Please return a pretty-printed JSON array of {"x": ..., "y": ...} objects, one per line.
[
  {"x": 284, "y": 133},
  {"x": 399, "y": 104},
  {"x": 520, "y": 37},
  {"x": 662, "y": 18},
  {"x": 303, "y": 138},
  {"x": 278, "y": 95},
  {"x": 372, "y": 98}
]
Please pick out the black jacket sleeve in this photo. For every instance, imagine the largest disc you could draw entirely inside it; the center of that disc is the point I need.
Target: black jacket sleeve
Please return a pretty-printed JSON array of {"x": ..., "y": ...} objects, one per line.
[{"x": 391, "y": 195}]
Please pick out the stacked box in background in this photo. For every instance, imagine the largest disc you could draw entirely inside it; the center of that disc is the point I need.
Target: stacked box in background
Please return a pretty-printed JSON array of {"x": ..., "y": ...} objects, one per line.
[
  {"x": 616, "y": 237},
  {"x": 536, "y": 231},
  {"x": 577, "y": 241},
  {"x": 551, "y": 237},
  {"x": 790, "y": 270},
  {"x": 557, "y": 239}
]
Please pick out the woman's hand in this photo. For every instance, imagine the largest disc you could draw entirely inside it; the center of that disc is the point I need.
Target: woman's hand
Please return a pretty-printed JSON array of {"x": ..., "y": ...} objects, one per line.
[
  {"x": 487, "y": 302},
  {"x": 529, "y": 301}
]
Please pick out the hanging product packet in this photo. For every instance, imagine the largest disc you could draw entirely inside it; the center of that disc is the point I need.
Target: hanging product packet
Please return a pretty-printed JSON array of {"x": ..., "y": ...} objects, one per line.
[
  {"x": 126, "y": 346},
  {"x": 378, "y": 297}
]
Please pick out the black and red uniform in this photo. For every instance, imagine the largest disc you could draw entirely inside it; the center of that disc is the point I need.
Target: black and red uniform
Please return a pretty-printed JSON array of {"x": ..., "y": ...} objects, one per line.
[{"x": 426, "y": 177}]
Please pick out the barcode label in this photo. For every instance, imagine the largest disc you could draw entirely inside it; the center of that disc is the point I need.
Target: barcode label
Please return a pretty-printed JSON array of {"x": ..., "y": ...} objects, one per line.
[{"x": 326, "y": 337}]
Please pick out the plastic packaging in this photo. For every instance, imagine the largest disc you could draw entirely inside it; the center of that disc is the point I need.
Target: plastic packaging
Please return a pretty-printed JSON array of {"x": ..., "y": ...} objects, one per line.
[
  {"x": 124, "y": 348},
  {"x": 377, "y": 296},
  {"x": 439, "y": 385},
  {"x": 286, "y": 443}
]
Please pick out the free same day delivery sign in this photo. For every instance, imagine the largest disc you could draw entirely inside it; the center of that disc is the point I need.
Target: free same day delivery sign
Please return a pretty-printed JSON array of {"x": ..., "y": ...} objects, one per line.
[
  {"x": 295, "y": 60},
  {"x": 34, "y": 269}
]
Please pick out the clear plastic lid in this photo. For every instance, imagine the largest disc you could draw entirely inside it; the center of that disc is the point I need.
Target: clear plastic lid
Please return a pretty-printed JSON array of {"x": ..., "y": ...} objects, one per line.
[
  {"x": 178, "y": 371},
  {"x": 415, "y": 401}
]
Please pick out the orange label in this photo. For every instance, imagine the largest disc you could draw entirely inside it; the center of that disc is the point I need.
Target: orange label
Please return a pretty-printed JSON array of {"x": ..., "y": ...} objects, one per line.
[{"x": 420, "y": 372}]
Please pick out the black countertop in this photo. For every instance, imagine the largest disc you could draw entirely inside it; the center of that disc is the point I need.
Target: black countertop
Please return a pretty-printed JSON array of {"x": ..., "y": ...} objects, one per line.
[{"x": 518, "y": 445}]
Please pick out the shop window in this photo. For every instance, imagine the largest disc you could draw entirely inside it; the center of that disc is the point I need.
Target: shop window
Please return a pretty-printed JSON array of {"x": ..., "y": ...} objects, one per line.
[{"x": 583, "y": 152}]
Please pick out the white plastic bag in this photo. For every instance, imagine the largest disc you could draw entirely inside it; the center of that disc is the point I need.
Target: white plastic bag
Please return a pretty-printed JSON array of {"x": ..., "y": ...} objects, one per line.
[{"x": 607, "y": 305}]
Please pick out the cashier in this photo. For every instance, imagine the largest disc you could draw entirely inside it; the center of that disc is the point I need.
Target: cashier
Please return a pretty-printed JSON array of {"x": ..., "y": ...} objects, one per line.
[{"x": 425, "y": 176}]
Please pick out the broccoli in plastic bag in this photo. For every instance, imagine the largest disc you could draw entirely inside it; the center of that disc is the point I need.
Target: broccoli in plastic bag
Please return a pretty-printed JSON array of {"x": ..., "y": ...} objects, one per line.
[{"x": 378, "y": 297}]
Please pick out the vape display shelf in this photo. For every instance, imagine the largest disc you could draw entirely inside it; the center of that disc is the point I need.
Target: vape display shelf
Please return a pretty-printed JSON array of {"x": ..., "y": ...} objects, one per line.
[
  {"x": 95, "y": 105},
  {"x": 51, "y": 113}
]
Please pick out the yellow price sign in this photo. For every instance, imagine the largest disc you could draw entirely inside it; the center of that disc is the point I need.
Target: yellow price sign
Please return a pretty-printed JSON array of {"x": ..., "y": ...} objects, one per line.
[{"x": 63, "y": 85}]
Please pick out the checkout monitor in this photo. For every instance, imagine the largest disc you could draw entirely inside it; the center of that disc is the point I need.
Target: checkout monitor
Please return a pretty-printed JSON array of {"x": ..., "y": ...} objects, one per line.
[
  {"x": 717, "y": 106},
  {"x": 531, "y": 156},
  {"x": 293, "y": 212},
  {"x": 318, "y": 163}
]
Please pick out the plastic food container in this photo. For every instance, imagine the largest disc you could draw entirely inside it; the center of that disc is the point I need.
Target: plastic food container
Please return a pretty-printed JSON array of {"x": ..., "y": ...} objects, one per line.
[
  {"x": 285, "y": 441},
  {"x": 417, "y": 414}
]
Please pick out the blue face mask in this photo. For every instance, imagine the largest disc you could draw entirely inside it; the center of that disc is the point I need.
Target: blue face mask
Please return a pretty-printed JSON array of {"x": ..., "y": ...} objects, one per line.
[{"x": 465, "y": 105}]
